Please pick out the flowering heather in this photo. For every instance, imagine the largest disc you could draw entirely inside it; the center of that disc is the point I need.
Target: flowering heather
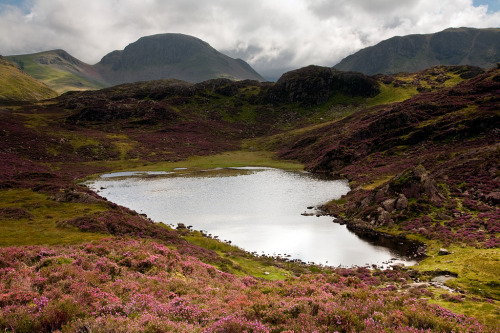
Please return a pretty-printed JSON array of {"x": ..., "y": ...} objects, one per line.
[{"x": 125, "y": 285}]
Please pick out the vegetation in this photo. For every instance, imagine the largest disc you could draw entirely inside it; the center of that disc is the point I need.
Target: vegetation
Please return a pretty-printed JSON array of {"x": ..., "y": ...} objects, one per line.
[
  {"x": 17, "y": 86},
  {"x": 58, "y": 70},
  {"x": 420, "y": 156}
]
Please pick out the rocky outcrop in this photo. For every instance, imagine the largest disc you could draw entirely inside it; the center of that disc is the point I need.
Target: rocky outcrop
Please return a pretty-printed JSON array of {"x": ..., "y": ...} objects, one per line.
[
  {"x": 414, "y": 183},
  {"x": 314, "y": 85}
]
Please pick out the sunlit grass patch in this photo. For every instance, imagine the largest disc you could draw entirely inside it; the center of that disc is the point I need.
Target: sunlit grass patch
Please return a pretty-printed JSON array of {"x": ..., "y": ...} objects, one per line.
[
  {"x": 478, "y": 269},
  {"x": 224, "y": 160},
  {"x": 37, "y": 217},
  {"x": 390, "y": 94},
  {"x": 377, "y": 182}
]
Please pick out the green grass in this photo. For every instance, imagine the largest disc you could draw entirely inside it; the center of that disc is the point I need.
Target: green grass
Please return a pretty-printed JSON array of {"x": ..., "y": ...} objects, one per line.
[
  {"x": 478, "y": 269},
  {"x": 17, "y": 86},
  {"x": 389, "y": 94},
  {"x": 243, "y": 264},
  {"x": 41, "y": 228},
  {"x": 58, "y": 80},
  {"x": 233, "y": 159},
  {"x": 486, "y": 312}
]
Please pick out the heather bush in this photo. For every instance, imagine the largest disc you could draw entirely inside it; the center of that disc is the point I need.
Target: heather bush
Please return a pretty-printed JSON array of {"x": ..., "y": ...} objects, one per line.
[{"x": 139, "y": 285}]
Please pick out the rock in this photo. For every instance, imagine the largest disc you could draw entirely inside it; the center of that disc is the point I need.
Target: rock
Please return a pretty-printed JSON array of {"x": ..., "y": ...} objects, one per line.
[
  {"x": 181, "y": 226},
  {"x": 420, "y": 172},
  {"x": 384, "y": 217},
  {"x": 383, "y": 192},
  {"x": 493, "y": 197},
  {"x": 75, "y": 196},
  {"x": 365, "y": 203},
  {"x": 443, "y": 252},
  {"x": 339, "y": 220},
  {"x": 442, "y": 278},
  {"x": 389, "y": 204},
  {"x": 420, "y": 285},
  {"x": 401, "y": 202},
  {"x": 443, "y": 216}
]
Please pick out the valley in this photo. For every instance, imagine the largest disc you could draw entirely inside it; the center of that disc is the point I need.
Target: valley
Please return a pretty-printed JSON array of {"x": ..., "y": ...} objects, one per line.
[{"x": 420, "y": 152}]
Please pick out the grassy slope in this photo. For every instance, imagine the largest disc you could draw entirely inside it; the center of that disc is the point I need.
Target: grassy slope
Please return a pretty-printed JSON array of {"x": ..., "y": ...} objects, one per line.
[
  {"x": 17, "y": 86},
  {"x": 59, "y": 79}
]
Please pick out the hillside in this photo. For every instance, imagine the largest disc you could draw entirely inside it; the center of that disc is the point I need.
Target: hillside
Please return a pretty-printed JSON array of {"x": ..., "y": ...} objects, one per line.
[
  {"x": 59, "y": 70},
  {"x": 16, "y": 86},
  {"x": 420, "y": 151},
  {"x": 461, "y": 46},
  {"x": 175, "y": 56}
]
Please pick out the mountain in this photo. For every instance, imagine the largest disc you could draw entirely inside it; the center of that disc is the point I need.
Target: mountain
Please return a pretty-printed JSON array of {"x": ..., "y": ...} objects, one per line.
[
  {"x": 59, "y": 70},
  {"x": 17, "y": 86},
  {"x": 172, "y": 56},
  {"x": 454, "y": 46}
]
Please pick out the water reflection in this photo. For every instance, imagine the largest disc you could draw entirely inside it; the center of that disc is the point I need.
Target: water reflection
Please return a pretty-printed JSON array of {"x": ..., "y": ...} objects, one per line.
[{"x": 256, "y": 209}]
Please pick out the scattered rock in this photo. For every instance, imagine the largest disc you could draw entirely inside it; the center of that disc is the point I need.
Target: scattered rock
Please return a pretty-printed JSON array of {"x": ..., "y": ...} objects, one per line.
[
  {"x": 389, "y": 204},
  {"x": 443, "y": 252},
  {"x": 75, "y": 196},
  {"x": 339, "y": 220},
  {"x": 493, "y": 197},
  {"x": 442, "y": 278},
  {"x": 420, "y": 285},
  {"x": 384, "y": 217},
  {"x": 401, "y": 202},
  {"x": 420, "y": 172},
  {"x": 443, "y": 216}
]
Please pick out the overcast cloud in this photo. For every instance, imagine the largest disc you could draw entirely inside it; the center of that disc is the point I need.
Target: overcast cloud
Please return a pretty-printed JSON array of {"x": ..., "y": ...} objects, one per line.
[{"x": 273, "y": 36}]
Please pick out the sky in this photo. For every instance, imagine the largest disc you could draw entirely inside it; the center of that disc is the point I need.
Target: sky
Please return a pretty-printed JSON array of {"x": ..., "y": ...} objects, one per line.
[{"x": 273, "y": 36}]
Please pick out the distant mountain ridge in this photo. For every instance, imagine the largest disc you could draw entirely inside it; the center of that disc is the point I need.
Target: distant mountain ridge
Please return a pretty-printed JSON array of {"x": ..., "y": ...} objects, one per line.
[
  {"x": 171, "y": 55},
  {"x": 412, "y": 53},
  {"x": 163, "y": 56}
]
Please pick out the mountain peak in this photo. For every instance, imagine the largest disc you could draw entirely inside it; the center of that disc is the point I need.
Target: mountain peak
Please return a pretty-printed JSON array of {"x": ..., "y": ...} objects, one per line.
[{"x": 171, "y": 55}]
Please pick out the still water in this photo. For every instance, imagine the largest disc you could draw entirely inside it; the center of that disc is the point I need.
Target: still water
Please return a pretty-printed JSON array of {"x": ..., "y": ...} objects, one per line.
[{"x": 257, "y": 209}]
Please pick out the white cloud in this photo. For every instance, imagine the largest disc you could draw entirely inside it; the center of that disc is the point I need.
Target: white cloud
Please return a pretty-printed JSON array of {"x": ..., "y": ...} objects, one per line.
[{"x": 272, "y": 36}]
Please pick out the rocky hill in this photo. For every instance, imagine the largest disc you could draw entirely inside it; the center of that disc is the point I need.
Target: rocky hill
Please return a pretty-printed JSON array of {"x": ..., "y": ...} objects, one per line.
[
  {"x": 426, "y": 165},
  {"x": 314, "y": 85},
  {"x": 175, "y": 56},
  {"x": 17, "y": 86},
  {"x": 460, "y": 46}
]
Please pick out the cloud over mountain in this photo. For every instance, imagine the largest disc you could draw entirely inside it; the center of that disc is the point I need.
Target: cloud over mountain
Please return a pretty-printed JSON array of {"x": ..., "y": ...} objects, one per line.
[{"x": 272, "y": 36}]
